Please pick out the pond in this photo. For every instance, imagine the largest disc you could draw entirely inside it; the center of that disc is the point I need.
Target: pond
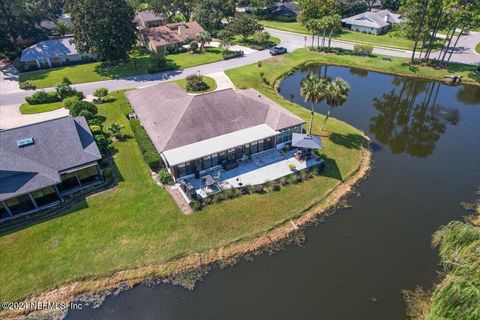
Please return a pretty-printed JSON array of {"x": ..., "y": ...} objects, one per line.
[{"x": 426, "y": 142}]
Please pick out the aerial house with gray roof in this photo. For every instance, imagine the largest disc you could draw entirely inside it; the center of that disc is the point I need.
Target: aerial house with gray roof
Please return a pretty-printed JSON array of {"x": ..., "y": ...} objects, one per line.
[
  {"x": 378, "y": 22},
  {"x": 42, "y": 163},
  {"x": 195, "y": 133},
  {"x": 53, "y": 53}
]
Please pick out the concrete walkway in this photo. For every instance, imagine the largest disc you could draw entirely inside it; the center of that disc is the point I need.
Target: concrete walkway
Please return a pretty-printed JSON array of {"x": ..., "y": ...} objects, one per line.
[
  {"x": 10, "y": 116},
  {"x": 8, "y": 79},
  {"x": 222, "y": 80}
]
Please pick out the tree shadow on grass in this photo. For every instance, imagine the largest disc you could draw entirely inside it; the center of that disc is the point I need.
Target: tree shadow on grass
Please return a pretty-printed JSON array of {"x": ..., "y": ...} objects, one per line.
[
  {"x": 331, "y": 169},
  {"x": 350, "y": 141}
]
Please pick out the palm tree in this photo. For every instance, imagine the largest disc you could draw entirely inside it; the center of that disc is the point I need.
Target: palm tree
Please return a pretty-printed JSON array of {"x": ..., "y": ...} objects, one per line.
[
  {"x": 313, "y": 91},
  {"x": 336, "y": 95},
  {"x": 204, "y": 37},
  {"x": 61, "y": 28}
]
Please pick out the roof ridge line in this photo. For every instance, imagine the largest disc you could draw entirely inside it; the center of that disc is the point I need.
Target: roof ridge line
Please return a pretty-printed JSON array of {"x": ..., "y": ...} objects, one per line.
[{"x": 179, "y": 119}]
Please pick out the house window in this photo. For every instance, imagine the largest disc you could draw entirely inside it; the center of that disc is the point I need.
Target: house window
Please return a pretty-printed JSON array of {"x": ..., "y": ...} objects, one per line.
[
  {"x": 214, "y": 160},
  {"x": 20, "y": 204},
  {"x": 222, "y": 156},
  {"x": 69, "y": 182},
  {"x": 268, "y": 143},
  {"x": 181, "y": 170},
  {"x": 207, "y": 162},
  {"x": 89, "y": 175},
  {"x": 231, "y": 155},
  {"x": 45, "y": 196},
  {"x": 3, "y": 211},
  {"x": 254, "y": 147},
  {"x": 188, "y": 168},
  {"x": 246, "y": 149},
  {"x": 261, "y": 146},
  {"x": 239, "y": 152}
]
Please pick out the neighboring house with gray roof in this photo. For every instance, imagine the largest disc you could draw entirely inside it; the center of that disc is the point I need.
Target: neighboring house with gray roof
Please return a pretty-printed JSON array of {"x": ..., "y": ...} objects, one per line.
[
  {"x": 284, "y": 10},
  {"x": 195, "y": 133},
  {"x": 43, "y": 162},
  {"x": 149, "y": 19},
  {"x": 53, "y": 53},
  {"x": 377, "y": 22}
]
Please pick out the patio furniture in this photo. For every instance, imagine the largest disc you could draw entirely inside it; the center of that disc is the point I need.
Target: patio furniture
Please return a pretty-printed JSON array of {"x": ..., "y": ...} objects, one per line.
[
  {"x": 230, "y": 165},
  {"x": 208, "y": 180}
]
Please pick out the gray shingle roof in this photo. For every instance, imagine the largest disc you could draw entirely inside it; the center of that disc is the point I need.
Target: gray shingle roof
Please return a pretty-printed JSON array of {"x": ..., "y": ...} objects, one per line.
[
  {"x": 59, "y": 144},
  {"x": 149, "y": 15},
  {"x": 173, "y": 118},
  {"x": 377, "y": 19},
  {"x": 49, "y": 49}
]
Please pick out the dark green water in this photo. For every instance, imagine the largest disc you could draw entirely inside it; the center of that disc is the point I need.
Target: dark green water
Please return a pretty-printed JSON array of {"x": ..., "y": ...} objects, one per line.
[{"x": 426, "y": 139}]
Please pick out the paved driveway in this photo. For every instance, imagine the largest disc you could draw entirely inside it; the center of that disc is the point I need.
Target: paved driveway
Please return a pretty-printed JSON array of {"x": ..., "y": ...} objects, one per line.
[{"x": 8, "y": 79}]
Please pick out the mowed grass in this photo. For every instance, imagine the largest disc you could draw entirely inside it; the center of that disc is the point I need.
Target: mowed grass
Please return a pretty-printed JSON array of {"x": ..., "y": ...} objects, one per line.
[
  {"x": 26, "y": 108},
  {"x": 384, "y": 40},
  {"x": 477, "y": 48},
  {"x": 138, "y": 223},
  {"x": 212, "y": 85},
  {"x": 91, "y": 72},
  {"x": 275, "y": 67}
]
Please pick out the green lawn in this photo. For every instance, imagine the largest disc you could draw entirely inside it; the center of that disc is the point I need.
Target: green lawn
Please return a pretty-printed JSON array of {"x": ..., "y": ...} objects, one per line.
[
  {"x": 275, "y": 67},
  {"x": 384, "y": 40},
  {"x": 212, "y": 85},
  {"x": 26, "y": 108},
  {"x": 138, "y": 223},
  {"x": 91, "y": 72},
  {"x": 477, "y": 48}
]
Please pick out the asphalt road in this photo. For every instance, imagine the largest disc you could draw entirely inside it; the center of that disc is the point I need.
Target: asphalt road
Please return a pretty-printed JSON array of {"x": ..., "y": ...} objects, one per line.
[{"x": 292, "y": 41}]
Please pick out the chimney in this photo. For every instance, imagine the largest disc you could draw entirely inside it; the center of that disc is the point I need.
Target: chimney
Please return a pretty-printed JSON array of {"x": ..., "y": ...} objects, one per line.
[{"x": 181, "y": 31}]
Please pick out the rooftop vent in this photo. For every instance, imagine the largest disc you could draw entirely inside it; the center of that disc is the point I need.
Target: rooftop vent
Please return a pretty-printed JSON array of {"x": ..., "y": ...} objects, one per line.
[{"x": 24, "y": 142}]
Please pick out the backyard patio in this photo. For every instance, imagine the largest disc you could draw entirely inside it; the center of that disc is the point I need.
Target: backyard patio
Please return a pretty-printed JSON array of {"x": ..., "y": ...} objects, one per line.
[{"x": 261, "y": 168}]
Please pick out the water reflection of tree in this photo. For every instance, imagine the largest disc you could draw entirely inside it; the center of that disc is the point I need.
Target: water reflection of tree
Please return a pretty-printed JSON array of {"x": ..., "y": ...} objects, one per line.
[
  {"x": 408, "y": 126},
  {"x": 469, "y": 95}
]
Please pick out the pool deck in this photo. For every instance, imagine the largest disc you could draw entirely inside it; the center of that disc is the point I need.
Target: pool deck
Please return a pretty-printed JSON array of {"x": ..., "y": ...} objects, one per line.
[{"x": 268, "y": 166}]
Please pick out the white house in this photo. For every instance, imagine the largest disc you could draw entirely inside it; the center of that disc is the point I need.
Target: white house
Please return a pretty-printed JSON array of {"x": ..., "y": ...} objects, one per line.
[
  {"x": 52, "y": 53},
  {"x": 372, "y": 22}
]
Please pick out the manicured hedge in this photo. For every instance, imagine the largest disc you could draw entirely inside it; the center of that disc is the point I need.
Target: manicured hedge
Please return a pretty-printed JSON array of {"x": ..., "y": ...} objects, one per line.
[
  {"x": 150, "y": 154},
  {"x": 227, "y": 54}
]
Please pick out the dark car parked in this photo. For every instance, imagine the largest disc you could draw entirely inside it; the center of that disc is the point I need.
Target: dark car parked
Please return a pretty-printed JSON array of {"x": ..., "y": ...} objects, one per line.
[{"x": 277, "y": 50}]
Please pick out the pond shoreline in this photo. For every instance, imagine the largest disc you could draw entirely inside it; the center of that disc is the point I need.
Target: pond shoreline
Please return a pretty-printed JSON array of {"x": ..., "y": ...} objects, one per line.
[{"x": 187, "y": 270}]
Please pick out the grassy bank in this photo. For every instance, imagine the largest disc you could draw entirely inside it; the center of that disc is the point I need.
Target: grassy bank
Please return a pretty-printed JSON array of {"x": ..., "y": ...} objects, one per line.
[
  {"x": 91, "y": 72},
  {"x": 138, "y": 223},
  {"x": 26, "y": 108},
  {"x": 276, "y": 67},
  {"x": 477, "y": 48},
  {"x": 384, "y": 40}
]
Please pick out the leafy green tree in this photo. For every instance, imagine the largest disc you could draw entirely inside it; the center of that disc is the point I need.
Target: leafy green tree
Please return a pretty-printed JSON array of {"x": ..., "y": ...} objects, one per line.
[
  {"x": 334, "y": 26},
  {"x": 370, "y": 4},
  {"x": 391, "y": 4},
  {"x": 261, "y": 4},
  {"x": 348, "y": 8},
  {"x": 313, "y": 90},
  {"x": 261, "y": 37},
  {"x": 210, "y": 13},
  {"x": 204, "y": 37},
  {"x": 19, "y": 20},
  {"x": 193, "y": 46},
  {"x": 79, "y": 107},
  {"x": 171, "y": 7},
  {"x": 116, "y": 129},
  {"x": 244, "y": 25},
  {"x": 104, "y": 28},
  {"x": 336, "y": 93},
  {"x": 100, "y": 93},
  {"x": 226, "y": 38},
  {"x": 61, "y": 28}
]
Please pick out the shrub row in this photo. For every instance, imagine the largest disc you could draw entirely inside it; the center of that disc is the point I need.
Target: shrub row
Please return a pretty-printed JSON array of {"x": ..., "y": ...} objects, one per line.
[
  {"x": 195, "y": 83},
  {"x": 41, "y": 97},
  {"x": 362, "y": 50},
  {"x": 150, "y": 154},
  {"x": 229, "y": 54},
  {"x": 270, "y": 186}
]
